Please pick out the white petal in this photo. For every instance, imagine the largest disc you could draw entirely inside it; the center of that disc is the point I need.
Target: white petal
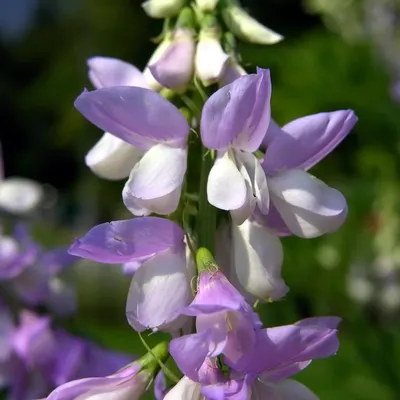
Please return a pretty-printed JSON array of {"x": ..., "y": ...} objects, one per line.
[
  {"x": 308, "y": 206},
  {"x": 210, "y": 59},
  {"x": 258, "y": 258},
  {"x": 258, "y": 180},
  {"x": 20, "y": 195},
  {"x": 185, "y": 389},
  {"x": 159, "y": 172},
  {"x": 155, "y": 181},
  {"x": 226, "y": 187},
  {"x": 112, "y": 158},
  {"x": 164, "y": 205},
  {"x": 150, "y": 303},
  {"x": 241, "y": 214},
  {"x": 162, "y": 8},
  {"x": 225, "y": 259}
]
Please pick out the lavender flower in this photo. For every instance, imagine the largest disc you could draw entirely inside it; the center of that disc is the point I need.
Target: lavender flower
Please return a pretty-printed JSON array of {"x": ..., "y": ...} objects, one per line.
[
  {"x": 302, "y": 204},
  {"x": 174, "y": 69},
  {"x": 225, "y": 324},
  {"x": 240, "y": 113},
  {"x": 156, "y": 247},
  {"x": 149, "y": 122}
]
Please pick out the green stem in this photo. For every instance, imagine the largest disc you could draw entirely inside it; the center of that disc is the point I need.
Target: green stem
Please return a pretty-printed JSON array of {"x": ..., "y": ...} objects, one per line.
[
  {"x": 207, "y": 216},
  {"x": 157, "y": 355}
]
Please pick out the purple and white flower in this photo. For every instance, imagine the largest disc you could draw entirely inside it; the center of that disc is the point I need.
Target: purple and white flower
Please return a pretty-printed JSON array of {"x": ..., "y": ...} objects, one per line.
[
  {"x": 235, "y": 122},
  {"x": 147, "y": 121},
  {"x": 156, "y": 248}
]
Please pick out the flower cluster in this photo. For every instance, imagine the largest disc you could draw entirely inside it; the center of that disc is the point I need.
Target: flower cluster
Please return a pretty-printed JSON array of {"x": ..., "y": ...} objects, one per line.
[
  {"x": 225, "y": 182},
  {"x": 35, "y": 356}
]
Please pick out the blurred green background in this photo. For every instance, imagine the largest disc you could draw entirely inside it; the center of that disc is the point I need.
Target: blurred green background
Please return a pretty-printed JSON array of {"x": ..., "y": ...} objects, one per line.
[{"x": 330, "y": 60}]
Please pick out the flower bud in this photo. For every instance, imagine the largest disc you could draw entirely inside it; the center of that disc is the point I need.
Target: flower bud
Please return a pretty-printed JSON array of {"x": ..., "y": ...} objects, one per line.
[
  {"x": 162, "y": 8},
  {"x": 246, "y": 27},
  {"x": 206, "y": 5},
  {"x": 258, "y": 257},
  {"x": 210, "y": 59},
  {"x": 157, "y": 55},
  {"x": 174, "y": 69}
]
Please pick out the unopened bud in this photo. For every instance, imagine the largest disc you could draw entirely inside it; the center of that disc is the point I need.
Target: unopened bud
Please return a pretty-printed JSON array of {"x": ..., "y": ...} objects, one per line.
[
  {"x": 206, "y": 5},
  {"x": 246, "y": 27},
  {"x": 210, "y": 59},
  {"x": 162, "y": 8}
]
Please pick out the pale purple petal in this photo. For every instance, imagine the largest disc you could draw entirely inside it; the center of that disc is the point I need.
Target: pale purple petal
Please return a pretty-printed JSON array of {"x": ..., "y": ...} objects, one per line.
[
  {"x": 33, "y": 341},
  {"x": 189, "y": 353},
  {"x": 241, "y": 337},
  {"x": 303, "y": 142},
  {"x": 215, "y": 294},
  {"x": 308, "y": 206},
  {"x": 232, "y": 72},
  {"x": 217, "y": 326},
  {"x": 273, "y": 221},
  {"x": 160, "y": 386},
  {"x": 273, "y": 131},
  {"x": 139, "y": 116},
  {"x": 278, "y": 351},
  {"x": 324, "y": 322},
  {"x": 238, "y": 114},
  {"x": 69, "y": 356},
  {"x": 107, "y": 71},
  {"x": 124, "y": 241}
]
